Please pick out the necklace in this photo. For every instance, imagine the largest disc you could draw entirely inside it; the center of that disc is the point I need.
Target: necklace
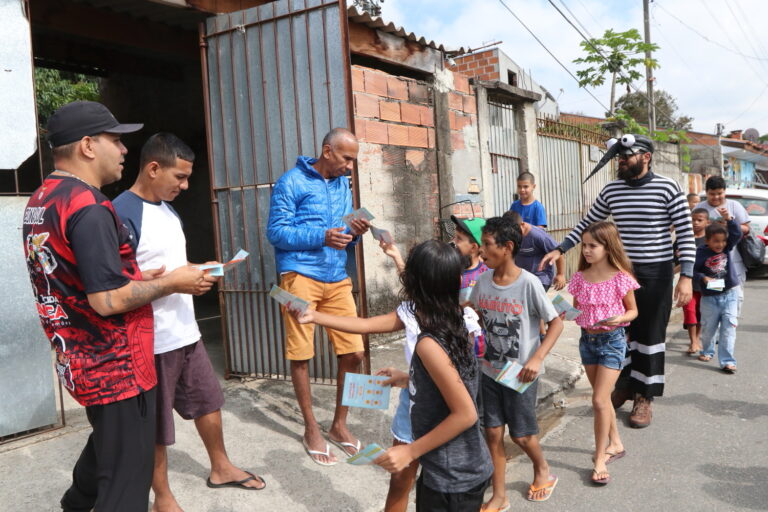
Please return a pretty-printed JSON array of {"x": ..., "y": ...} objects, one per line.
[{"x": 74, "y": 176}]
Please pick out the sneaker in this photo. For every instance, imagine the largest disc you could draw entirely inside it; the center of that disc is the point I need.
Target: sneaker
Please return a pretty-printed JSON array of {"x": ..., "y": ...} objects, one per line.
[
  {"x": 619, "y": 396},
  {"x": 641, "y": 413}
]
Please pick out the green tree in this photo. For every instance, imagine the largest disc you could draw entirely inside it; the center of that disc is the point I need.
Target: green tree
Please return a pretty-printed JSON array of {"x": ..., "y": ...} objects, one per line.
[
  {"x": 616, "y": 54},
  {"x": 667, "y": 116},
  {"x": 55, "y": 88}
]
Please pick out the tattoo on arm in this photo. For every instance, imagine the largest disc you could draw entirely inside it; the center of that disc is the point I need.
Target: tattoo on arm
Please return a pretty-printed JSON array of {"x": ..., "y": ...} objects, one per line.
[
  {"x": 108, "y": 299},
  {"x": 143, "y": 292}
]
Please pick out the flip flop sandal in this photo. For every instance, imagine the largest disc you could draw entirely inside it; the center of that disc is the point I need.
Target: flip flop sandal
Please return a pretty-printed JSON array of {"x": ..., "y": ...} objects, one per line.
[
  {"x": 615, "y": 456},
  {"x": 504, "y": 508},
  {"x": 729, "y": 369},
  {"x": 600, "y": 481},
  {"x": 549, "y": 486},
  {"x": 357, "y": 446},
  {"x": 313, "y": 453},
  {"x": 705, "y": 359},
  {"x": 240, "y": 484}
]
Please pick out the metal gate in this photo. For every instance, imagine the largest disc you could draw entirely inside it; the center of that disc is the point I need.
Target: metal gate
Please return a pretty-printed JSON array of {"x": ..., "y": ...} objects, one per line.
[
  {"x": 503, "y": 148},
  {"x": 276, "y": 79}
]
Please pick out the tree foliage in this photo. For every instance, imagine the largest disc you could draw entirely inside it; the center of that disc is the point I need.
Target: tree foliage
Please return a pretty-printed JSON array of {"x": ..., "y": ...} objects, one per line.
[
  {"x": 616, "y": 55},
  {"x": 55, "y": 88},
  {"x": 667, "y": 116},
  {"x": 678, "y": 136}
]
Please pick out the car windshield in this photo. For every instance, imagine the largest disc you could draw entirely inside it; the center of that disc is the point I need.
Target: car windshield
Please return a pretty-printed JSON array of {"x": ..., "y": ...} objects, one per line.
[{"x": 754, "y": 206}]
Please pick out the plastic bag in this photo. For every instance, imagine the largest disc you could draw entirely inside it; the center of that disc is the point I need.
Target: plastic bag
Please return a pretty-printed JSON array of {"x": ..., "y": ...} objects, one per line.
[{"x": 752, "y": 251}]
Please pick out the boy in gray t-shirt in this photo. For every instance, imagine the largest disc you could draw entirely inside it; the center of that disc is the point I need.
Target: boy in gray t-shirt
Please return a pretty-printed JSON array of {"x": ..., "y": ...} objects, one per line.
[{"x": 511, "y": 301}]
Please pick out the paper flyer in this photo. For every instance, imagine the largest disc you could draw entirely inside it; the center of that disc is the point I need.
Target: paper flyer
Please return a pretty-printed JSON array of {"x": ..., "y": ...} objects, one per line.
[
  {"x": 366, "y": 391},
  {"x": 360, "y": 213},
  {"x": 562, "y": 306},
  {"x": 367, "y": 455},
  {"x": 717, "y": 285},
  {"x": 508, "y": 377},
  {"x": 382, "y": 235},
  {"x": 464, "y": 295},
  {"x": 217, "y": 269},
  {"x": 287, "y": 299}
]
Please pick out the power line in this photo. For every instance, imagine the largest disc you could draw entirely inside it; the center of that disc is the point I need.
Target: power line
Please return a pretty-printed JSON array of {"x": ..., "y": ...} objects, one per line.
[
  {"x": 750, "y": 105},
  {"x": 724, "y": 47},
  {"x": 549, "y": 52},
  {"x": 577, "y": 19}
]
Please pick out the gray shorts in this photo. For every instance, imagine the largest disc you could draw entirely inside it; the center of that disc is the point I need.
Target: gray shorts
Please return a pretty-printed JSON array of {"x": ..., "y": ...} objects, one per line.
[
  {"x": 505, "y": 406},
  {"x": 185, "y": 382}
]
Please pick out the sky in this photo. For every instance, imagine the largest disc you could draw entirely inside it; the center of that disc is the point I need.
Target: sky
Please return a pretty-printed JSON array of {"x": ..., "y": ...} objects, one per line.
[{"x": 716, "y": 66}]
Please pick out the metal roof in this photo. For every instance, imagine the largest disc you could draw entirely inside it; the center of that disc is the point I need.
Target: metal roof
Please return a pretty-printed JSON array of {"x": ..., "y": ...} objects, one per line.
[
  {"x": 378, "y": 23},
  {"x": 171, "y": 14}
]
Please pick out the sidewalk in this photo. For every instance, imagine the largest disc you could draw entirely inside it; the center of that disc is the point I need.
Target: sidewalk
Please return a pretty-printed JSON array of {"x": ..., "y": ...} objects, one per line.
[{"x": 262, "y": 429}]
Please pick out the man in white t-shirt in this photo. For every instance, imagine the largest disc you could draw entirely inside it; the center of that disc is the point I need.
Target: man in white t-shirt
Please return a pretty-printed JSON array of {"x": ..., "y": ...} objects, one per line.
[
  {"x": 715, "y": 188},
  {"x": 186, "y": 380}
]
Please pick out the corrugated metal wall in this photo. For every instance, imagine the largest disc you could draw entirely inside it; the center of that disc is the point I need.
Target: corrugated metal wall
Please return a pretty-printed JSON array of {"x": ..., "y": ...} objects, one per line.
[
  {"x": 503, "y": 148},
  {"x": 277, "y": 81}
]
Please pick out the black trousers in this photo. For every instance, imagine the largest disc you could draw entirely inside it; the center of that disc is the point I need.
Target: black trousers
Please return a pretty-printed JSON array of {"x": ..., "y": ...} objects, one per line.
[
  {"x": 644, "y": 374},
  {"x": 114, "y": 471},
  {"x": 429, "y": 500}
]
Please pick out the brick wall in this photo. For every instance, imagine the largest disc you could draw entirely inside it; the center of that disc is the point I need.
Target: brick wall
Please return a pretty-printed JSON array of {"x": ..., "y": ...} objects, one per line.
[{"x": 483, "y": 65}]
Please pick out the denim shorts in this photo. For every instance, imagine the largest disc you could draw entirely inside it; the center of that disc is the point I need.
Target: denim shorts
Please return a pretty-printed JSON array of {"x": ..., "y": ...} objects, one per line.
[
  {"x": 606, "y": 349},
  {"x": 401, "y": 423}
]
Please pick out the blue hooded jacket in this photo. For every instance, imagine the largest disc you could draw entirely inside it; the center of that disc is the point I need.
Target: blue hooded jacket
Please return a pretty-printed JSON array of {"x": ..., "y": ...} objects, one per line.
[{"x": 303, "y": 206}]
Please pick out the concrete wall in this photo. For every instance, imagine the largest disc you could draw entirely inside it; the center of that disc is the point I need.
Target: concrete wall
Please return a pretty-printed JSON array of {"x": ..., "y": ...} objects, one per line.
[{"x": 666, "y": 162}]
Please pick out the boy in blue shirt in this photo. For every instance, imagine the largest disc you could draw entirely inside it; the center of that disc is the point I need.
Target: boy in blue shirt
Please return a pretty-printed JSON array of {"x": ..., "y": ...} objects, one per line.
[
  {"x": 529, "y": 208},
  {"x": 715, "y": 271}
]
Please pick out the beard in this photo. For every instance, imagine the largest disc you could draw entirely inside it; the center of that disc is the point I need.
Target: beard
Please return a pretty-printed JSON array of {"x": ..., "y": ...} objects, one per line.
[{"x": 628, "y": 172}]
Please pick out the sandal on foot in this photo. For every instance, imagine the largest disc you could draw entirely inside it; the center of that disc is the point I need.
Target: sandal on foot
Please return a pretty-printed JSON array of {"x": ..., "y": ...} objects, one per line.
[
  {"x": 705, "y": 359},
  {"x": 504, "y": 508},
  {"x": 345, "y": 446},
  {"x": 549, "y": 487},
  {"x": 600, "y": 481},
  {"x": 313, "y": 454},
  {"x": 692, "y": 351},
  {"x": 729, "y": 368},
  {"x": 240, "y": 484},
  {"x": 614, "y": 456}
]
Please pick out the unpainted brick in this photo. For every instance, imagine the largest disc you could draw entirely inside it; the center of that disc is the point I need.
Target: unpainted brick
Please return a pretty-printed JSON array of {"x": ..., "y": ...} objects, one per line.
[
  {"x": 358, "y": 79},
  {"x": 397, "y": 134},
  {"x": 375, "y": 83},
  {"x": 397, "y": 88},
  {"x": 470, "y": 105},
  {"x": 376, "y": 132},
  {"x": 415, "y": 157},
  {"x": 426, "y": 116},
  {"x": 417, "y": 137},
  {"x": 366, "y": 105},
  {"x": 360, "y": 129},
  {"x": 418, "y": 93},
  {"x": 457, "y": 140},
  {"x": 461, "y": 83},
  {"x": 430, "y": 137},
  {"x": 393, "y": 157},
  {"x": 389, "y": 110},
  {"x": 473, "y": 64},
  {"x": 454, "y": 101},
  {"x": 493, "y": 60},
  {"x": 410, "y": 113}
]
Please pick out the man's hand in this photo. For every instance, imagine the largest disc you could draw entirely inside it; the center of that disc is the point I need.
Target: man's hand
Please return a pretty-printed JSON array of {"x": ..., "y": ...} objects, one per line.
[
  {"x": 335, "y": 239},
  {"x": 683, "y": 292},
  {"x": 208, "y": 276},
  {"x": 191, "y": 280},
  {"x": 359, "y": 226},
  {"x": 549, "y": 259},
  {"x": 152, "y": 273},
  {"x": 559, "y": 281}
]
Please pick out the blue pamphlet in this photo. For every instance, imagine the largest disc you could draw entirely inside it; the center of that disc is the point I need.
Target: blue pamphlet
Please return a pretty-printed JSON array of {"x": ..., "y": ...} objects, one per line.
[
  {"x": 366, "y": 391},
  {"x": 367, "y": 455}
]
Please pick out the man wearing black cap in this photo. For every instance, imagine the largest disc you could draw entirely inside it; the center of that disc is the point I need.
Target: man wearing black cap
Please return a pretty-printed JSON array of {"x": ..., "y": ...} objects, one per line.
[
  {"x": 94, "y": 307},
  {"x": 644, "y": 207}
]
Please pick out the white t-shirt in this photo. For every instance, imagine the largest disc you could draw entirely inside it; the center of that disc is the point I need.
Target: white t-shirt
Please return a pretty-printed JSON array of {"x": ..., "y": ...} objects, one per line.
[{"x": 161, "y": 241}]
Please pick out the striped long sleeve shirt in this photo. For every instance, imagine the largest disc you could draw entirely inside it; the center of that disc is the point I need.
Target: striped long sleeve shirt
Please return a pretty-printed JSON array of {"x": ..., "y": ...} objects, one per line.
[{"x": 643, "y": 215}]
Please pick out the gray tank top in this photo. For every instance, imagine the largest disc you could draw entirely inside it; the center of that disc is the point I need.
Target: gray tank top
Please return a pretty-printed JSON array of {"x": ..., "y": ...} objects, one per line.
[{"x": 463, "y": 462}]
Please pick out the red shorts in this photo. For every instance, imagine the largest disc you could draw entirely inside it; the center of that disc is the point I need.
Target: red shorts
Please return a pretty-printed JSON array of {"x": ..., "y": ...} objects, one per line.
[{"x": 691, "y": 313}]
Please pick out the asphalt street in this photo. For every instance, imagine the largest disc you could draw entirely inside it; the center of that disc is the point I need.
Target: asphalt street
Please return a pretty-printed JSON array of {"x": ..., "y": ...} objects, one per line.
[{"x": 707, "y": 448}]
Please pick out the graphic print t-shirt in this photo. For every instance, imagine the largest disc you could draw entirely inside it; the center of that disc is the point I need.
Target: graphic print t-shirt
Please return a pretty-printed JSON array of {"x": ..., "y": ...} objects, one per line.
[
  {"x": 511, "y": 316},
  {"x": 74, "y": 245}
]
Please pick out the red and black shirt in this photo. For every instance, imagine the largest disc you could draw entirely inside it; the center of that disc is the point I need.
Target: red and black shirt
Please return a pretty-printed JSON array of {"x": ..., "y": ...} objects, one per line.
[{"x": 75, "y": 244}]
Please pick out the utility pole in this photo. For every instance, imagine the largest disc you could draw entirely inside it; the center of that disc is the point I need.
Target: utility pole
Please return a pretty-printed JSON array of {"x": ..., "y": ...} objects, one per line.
[{"x": 649, "y": 71}]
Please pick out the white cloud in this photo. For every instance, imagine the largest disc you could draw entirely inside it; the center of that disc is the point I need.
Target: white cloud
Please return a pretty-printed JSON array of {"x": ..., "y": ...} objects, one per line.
[{"x": 711, "y": 84}]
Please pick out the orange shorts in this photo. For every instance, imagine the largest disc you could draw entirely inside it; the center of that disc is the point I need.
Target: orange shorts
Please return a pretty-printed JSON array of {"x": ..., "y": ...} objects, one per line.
[{"x": 332, "y": 298}]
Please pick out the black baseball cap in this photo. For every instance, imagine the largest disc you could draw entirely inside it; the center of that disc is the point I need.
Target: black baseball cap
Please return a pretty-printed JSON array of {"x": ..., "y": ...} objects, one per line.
[{"x": 80, "y": 119}]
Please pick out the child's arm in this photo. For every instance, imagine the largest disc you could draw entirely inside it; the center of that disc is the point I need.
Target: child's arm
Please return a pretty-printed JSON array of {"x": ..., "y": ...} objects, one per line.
[
  {"x": 532, "y": 367},
  {"x": 397, "y": 378},
  {"x": 630, "y": 305},
  {"x": 559, "y": 282},
  {"x": 734, "y": 235},
  {"x": 382, "y": 323},
  {"x": 393, "y": 252},
  {"x": 698, "y": 268},
  {"x": 462, "y": 416}
]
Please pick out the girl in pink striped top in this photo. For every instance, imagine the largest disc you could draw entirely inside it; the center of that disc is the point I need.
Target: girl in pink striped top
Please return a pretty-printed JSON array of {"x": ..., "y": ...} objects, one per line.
[{"x": 603, "y": 289}]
